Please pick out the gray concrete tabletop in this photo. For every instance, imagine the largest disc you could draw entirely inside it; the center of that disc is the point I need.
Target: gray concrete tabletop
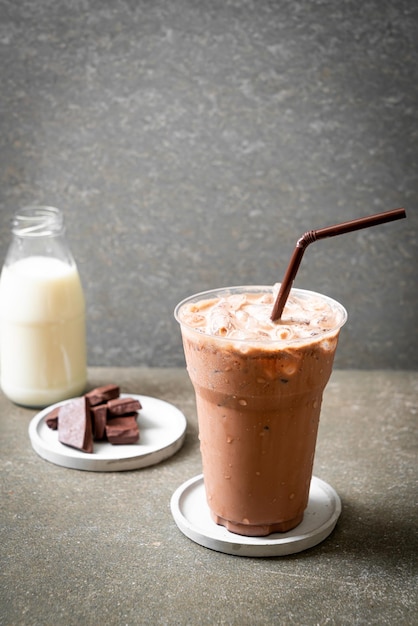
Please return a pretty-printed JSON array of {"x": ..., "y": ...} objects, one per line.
[{"x": 80, "y": 547}]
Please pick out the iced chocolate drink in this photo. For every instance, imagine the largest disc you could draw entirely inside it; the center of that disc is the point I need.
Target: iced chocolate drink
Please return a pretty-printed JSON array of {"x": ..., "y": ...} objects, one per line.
[{"x": 259, "y": 388}]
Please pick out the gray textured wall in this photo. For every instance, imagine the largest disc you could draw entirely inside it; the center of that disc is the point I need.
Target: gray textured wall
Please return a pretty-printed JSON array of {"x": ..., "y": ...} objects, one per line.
[{"x": 191, "y": 142}]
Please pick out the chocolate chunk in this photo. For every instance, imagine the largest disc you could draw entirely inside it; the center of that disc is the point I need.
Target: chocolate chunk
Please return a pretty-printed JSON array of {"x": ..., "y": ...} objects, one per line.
[
  {"x": 122, "y": 430},
  {"x": 120, "y": 406},
  {"x": 134, "y": 414},
  {"x": 100, "y": 395},
  {"x": 99, "y": 414},
  {"x": 98, "y": 420},
  {"x": 74, "y": 425},
  {"x": 51, "y": 419}
]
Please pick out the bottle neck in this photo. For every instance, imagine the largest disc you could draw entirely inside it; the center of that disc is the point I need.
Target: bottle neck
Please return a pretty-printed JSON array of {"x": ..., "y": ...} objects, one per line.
[
  {"x": 38, "y": 231},
  {"x": 38, "y": 221}
]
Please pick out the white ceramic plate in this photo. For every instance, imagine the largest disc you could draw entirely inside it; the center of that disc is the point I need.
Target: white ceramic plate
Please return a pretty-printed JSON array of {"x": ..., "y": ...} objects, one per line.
[
  {"x": 162, "y": 430},
  {"x": 192, "y": 516}
]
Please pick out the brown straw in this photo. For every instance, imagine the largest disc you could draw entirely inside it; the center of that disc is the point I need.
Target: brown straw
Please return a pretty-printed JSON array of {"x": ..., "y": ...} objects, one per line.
[{"x": 322, "y": 233}]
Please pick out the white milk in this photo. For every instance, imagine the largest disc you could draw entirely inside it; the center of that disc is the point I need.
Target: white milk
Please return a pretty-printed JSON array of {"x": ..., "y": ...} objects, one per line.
[{"x": 42, "y": 331}]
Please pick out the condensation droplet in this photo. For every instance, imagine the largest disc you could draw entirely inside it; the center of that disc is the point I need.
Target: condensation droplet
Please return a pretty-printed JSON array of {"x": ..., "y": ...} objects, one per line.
[{"x": 242, "y": 402}]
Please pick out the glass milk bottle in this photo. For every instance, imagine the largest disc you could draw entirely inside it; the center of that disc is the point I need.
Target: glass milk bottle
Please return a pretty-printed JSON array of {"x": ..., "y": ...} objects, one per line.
[{"x": 42, "y": 313}]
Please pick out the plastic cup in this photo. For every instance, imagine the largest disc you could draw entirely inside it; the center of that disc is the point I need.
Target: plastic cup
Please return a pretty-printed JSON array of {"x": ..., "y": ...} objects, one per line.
[{"x": 258, "y": 406}]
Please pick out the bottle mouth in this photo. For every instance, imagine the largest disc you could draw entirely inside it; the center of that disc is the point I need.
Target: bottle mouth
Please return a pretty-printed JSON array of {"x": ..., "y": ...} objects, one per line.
[{"x": 38, "y": 221}]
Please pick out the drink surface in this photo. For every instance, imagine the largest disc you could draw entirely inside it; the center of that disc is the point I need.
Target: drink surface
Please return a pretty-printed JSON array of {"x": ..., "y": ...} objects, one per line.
[
  {"x": 42, "y": 331},
  {"x": 246, "y": 316}
]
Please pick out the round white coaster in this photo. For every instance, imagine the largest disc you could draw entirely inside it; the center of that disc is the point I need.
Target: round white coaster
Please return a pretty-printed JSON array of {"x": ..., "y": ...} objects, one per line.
[{"x": 191, "y": 514}]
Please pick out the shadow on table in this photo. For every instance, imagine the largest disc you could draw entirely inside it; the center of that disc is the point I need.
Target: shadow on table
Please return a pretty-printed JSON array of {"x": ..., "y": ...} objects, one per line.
[{"x": 369, "y": 532}]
